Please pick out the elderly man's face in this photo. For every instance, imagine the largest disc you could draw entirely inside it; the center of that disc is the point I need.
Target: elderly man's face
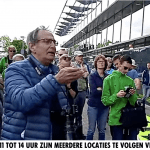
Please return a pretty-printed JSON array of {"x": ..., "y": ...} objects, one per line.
[
  {"x": 43, "y": 50},
  {"x": 11, "y": 52},
  {"x": 65, "y": 62},
  {"x": 79, "y": 59},
  {"x": 61, "y": 52}
]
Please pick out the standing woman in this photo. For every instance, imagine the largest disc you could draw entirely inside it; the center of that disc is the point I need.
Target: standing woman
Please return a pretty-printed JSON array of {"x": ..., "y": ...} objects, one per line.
[{"x": 97, "y": 112}]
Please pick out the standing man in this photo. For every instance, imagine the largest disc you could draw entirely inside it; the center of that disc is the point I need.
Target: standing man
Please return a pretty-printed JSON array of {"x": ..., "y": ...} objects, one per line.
[
  {"x": 131, "y": 46},
  {"x": 134, "y": 75},
  {"x": 59, "y": 54},
  {"x": 5, "y": 61},
  {"x": 82, "y": 87},
  {"x": 146, "y": 81},
  {"x": 114, "y": 96},
  {"x": 116, "y": 61},
  {"x": 109, "y": 69},
  {"x": 30, "y": 86}
]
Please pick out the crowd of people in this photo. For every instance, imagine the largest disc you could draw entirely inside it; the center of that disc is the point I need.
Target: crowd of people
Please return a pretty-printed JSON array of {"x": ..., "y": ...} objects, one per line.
[{"x": 42, "y": 97}]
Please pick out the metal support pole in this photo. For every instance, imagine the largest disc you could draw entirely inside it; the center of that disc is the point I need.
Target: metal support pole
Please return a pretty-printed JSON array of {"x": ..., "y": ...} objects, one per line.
[
  {"x": 143, "y": 18},
  {"x": 121, "y": 25},
  {"x": 131, "y": 22},
  {"x": 113, "y": 31}
]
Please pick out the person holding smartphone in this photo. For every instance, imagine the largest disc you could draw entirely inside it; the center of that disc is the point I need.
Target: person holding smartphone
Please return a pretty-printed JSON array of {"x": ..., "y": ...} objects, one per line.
[{"x": 115, "y": 95}]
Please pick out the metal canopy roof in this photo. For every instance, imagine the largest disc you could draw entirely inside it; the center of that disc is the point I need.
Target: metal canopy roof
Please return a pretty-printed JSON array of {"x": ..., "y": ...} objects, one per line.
[
  {"x": 75, "y": 15},
  {"x": 117, "y": 11},
  {"x": 71, "y": 19},
  {"x": 79, "y": 9},
  {"x": 68, "y": 24},
  {"x": 87, "y": 2}
]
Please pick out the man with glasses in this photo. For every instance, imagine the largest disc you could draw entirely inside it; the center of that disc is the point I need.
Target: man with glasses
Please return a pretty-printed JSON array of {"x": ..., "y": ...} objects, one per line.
[
  {"x": 59, "y": 54},
  {"x": 113, "y": 95},
  {"x": 30, "y": 87},
  {"x": 68, "y": 93},
  {"x": 134, "y": 75},
  {"x": 5, "y": 61},
  {"x": 109, "y": 69}
]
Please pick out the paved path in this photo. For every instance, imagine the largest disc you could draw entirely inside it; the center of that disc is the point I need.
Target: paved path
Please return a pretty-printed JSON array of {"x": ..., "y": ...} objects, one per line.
[{"x": 85, "y": 123}]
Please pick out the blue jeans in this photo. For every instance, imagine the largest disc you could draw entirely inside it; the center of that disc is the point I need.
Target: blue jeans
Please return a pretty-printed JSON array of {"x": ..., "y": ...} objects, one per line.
[
  {"x": 146, "y": 90},
  {"x": 119, "y": 133},
  {"x": 96, "y": 115}
]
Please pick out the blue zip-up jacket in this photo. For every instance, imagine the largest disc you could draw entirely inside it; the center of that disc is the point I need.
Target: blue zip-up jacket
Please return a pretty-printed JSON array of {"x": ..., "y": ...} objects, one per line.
[
  {"x": 145, "y": 77},
  {"x": 27, "y": 103},
  {"x": 96, "y": 84}
]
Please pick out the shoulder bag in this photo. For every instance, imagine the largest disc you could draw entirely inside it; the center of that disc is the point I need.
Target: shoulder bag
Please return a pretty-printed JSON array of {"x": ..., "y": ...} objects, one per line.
[{"x": 134, "y": 116}]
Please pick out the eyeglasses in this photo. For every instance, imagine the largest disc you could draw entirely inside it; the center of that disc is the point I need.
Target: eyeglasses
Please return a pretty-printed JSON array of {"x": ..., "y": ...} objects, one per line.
[
  {"x": 12, "y": 51},
  {"x": 126, "y": 68},
  {"x": 67, "y": 58},
  {"x": 115, "y": 64},
  {"x": 100, "y": 61},
  {"x": 48, "y": 41}
]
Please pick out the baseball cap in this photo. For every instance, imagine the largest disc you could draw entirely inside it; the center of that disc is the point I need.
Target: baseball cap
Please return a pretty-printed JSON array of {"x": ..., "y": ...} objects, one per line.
[
  {"x": 78, "y": 53},
  {"x": 133, "y": 63}
]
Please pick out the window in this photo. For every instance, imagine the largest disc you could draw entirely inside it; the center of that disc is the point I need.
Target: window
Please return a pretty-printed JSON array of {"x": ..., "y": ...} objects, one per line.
[
  {"x": 116, "y": 38},
  {"x": 146, "y": 28},
  {"x": 110, "y": 32},
  {"x": 125, "y": 28},
  {"x": 136, "y": 26}
]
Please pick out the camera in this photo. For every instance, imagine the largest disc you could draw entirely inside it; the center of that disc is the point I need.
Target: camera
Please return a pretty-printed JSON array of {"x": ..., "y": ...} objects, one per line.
[{"x": 128, "y": 92}]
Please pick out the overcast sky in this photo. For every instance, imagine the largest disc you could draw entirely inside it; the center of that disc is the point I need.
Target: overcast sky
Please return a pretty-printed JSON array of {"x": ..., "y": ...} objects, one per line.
[{"x": 19, "y": 17}]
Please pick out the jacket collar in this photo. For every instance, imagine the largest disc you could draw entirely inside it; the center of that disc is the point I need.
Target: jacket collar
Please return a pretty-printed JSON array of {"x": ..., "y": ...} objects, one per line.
[
  {"x": 51, "y": 69},
  {"x": 96, "y": 73},
  {"x": 118, "y": 73}
]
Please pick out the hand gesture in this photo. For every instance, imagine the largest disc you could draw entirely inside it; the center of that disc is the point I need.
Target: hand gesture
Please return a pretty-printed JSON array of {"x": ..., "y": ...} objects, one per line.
[
  {"x": 121, "y": 93},
  {"x": 68, "y": 75},
  {"x": 132, "y": 91}
]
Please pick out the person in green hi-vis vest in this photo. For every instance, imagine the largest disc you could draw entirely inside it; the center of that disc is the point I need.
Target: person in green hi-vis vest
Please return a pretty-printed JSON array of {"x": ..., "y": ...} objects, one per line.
[{"x": 5, "y": 61}]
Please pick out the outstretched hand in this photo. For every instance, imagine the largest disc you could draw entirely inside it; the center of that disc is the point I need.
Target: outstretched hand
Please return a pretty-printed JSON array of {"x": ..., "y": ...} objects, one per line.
[{"x": 68, "y": 75}]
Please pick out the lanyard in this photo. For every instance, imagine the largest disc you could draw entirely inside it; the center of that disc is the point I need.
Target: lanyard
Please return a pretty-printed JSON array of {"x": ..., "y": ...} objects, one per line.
[{"x": 36, "y": 67}]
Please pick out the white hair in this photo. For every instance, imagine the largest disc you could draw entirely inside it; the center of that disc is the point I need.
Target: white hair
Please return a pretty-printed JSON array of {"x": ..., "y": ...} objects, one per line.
[{"x": 18, "y": 55}]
